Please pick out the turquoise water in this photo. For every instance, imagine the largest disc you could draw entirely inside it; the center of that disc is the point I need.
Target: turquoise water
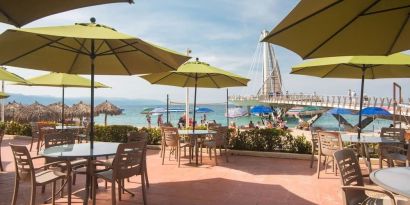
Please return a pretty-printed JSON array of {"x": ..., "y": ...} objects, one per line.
[{"x": 132, "y": 116}]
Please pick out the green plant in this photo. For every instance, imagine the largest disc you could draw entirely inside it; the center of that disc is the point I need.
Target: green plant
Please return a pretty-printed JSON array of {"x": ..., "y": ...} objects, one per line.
[
  {"x": 15, "y": 128},
  {"x": 113, "y": 133},
  {"x": 154, "y": 135}
]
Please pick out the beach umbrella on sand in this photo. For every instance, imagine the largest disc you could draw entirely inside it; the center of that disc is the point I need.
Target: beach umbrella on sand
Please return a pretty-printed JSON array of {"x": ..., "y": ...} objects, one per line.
[
  {"x": 316, "y": 29},
  {"x": 11, "y": 109},
  {"x": 197, "y": 74},
  {"x": 36, "y": 112},
  {"x": 107, "y": 108},
  {"x": 357, "y": 67},
  {"x": 235, "y": 112},
  {"x": 85, "y": 48},
  {"x": 261, "y": 109},
  {"x": 375, "y": 111},
  {"x": 62, "y": 80},
  {"x": 19, "y": 13}
]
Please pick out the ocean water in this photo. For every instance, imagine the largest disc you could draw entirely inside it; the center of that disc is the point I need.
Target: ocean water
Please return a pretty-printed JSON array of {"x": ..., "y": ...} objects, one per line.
[{"x": 132, "y": 116}]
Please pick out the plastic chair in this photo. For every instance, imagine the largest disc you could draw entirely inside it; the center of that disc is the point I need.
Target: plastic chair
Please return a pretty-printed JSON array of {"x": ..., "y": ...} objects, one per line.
[
  {"x": 218, "y": 140},
  {"x": 171, "y": 139},
  {"x": 329, "y": 143},
  {"x": 393, "y": 153},
  {"x": 25, "y": 170},
  {"x": 140, "y": 136}
]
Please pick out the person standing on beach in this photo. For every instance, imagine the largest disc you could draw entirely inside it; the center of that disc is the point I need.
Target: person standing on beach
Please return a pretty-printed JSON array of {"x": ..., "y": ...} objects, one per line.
[
  {"x": 148, "y": 116},
  {"x": 159, "y": 120}
]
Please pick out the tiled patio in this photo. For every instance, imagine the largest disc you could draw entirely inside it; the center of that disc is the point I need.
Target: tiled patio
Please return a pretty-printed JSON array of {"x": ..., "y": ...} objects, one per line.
[{"x": 244, "y": 180}]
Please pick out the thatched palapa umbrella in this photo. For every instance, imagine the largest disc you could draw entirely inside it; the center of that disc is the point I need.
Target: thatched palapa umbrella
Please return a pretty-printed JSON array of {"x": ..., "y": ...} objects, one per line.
[
  {"x": 107, "y": 108},
  {"x": 57, "y": 107},
  {"x": 36, "y": 112},
  {"x": 80, "y": 110},
  {"x": 12, "y": 108}
]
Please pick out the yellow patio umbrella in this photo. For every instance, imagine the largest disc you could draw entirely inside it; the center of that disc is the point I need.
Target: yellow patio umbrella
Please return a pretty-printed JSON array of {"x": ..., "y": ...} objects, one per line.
[
  {"x": 344, "y": 28},
  {"x": 19, "y": 13},
  {"x": 361, "y": 67},
  {"x": 62, "y": 80},
  {"x": 4, "y": 95},
  {"x": 197, "y": 74},
  {"x": 85, "y": 48}
]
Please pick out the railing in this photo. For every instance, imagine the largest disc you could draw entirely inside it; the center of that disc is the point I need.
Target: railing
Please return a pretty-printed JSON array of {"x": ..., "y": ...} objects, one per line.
[{"x": 330, "y": 101}]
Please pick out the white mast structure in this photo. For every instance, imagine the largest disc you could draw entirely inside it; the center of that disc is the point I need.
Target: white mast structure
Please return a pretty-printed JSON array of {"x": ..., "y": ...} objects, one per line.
[{"x": 272, "y": 80}]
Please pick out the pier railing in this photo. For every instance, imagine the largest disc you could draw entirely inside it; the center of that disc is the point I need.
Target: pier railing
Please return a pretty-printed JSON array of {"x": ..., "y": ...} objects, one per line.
[{"x": 330, "y": 101}]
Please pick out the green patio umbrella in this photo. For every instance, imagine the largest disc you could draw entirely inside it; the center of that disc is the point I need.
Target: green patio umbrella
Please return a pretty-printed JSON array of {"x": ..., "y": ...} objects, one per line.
[
  {"x": 62, "y": 80},
  {"x": 19, "y": 13},
  {"x": 85, "y": 48},
  {"x": 344, "y": 28},
  {"x": 197, "y": 74},
  {"x": 361, "y": 67}
]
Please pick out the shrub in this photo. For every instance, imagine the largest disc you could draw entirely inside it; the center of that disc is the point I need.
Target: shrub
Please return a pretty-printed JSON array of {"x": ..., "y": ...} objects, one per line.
[
  {"x": 154, "y": 135},
  {"x": 15, "y": 128},
  {"x": 113, "y": 133},
  {"x": 269, "y": 140}
]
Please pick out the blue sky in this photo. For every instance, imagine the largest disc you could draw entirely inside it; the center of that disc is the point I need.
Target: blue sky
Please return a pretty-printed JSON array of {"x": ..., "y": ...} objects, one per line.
[{"x": 223, "y": 33}]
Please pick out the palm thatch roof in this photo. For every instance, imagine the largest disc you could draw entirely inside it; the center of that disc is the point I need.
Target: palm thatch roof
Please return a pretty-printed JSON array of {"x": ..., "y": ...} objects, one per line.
[
  {"x": 57, "y": 106},
  {"x": 36, "y": 112},
  {"x": 80, "y": 110},
  {"x": 107, "y": 108},
  {"x": 11, "y": 109}
]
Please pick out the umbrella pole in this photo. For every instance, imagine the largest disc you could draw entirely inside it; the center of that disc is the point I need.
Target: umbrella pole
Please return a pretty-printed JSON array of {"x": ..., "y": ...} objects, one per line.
[
  {"x": 227, "y": 107},
  {"x": 62, "y": 111},
  {"x": 361, "y": 102},
  {"x": 193, "y": 120},
  {"x": 167, "y": 108},
  {"x": 92, "y": 56}
]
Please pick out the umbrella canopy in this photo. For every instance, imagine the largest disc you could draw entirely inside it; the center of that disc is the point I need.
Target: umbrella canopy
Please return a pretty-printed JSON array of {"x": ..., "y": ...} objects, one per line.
[
  {"x": 80, "y": 110},
  {"x": 36, "y": 112},
  {"x": 339, "y": 28},
  {"x": 85, "y": 48},
  {"x": 204, "y": 110},
  {"x": 158, "y": 111},
  {"x": 16, "y": 12},
  {"x": 261, "y": 109},
  {"x": 62, "y": 80},
  {"x": 197, "y": 74},
  {"x": 4, "y": 95},
  {"x": 235, "y": 112},
  {"x": 340, "y": 111},
  {"x": 107, "y": 108},
  {"x": 8, "y": 76},
  {"x": 11, "y": 109},
  {"x": 53, "y": 79},
  {"x": 375, "y": 111},
  {"x": 147, "y": 110},
  {"x": 361, "y": 67}
]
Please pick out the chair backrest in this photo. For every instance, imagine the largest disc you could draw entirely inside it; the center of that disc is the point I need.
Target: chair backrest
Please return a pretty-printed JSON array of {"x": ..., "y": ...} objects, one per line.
[
  {"x": 393, "y": 133},
  {"x": 212, "y": 126},
  {"x": 329, "y": 142},
  {"x": 167, "y": 124},
  {"x": 22, "y": 161},
  {"x": 58, "y": 138},
  {"x": 2, "y": 131},
  {"x": 170, "y": 136},
  {"x": 351, "y": 175},
  {"x": 128, "y": 160},
  {"x": 34, "y": 129},
  {"x": 136, "y": 136},
  {"x": 220, "y": 137},
  {"x": 314, "y": 131}
]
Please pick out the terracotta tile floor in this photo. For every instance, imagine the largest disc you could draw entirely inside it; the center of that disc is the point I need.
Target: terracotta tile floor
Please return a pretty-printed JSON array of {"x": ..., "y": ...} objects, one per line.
[{"x": 244, "y": 180}]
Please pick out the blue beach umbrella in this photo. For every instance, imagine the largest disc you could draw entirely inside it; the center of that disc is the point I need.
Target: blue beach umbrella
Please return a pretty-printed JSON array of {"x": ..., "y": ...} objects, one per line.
[
  {"x": 261, "y": 109},
  {"x": 340, "y": 111},
  {"x": 375, "y": 111},
  {"x": 204, "y": 110}
]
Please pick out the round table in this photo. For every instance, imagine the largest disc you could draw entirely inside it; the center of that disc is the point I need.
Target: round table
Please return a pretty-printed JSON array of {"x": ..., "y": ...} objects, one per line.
[
  {"x": 364, "y": 141},
  {"x": 82, "y": 151},
  {"x": 196, "y": 134},
  {"x": 396, "y": 180}
]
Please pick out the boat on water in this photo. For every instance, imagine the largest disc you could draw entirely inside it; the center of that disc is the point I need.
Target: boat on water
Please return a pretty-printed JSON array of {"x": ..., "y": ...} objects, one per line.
[{"x": 159, "y": 110}]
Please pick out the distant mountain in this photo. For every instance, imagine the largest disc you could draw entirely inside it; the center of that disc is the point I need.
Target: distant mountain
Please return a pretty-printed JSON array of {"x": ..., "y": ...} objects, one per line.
[{"x": 29, "y": 99}]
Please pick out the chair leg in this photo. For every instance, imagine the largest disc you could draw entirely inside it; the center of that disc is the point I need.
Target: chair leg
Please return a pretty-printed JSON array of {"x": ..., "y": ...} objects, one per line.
[
  {"x": 1, "y": 165},
  {"x": 163, "y": 155},
  {"x": 318, "y": 165},
  {"x": 53, "y": 192},
  {"x": 119, "y": 189},
  {"x": 15, "y": 193},
  {"x": 93, "y": 189},
  {"x": 226, "y": 154},
  {"x": 113, "y": 199},
  {"x": 312, "y": 158},
  {"x": 146, "y": 173},
  {"x": 62, "y": 188},
  {"x": 74, "y": 178},
  {"x": 69, "y": 190},
  {"x": 177, "y": 154},
  {"x": 216, "y": 158},
  {"x": 144, "y": 197},
  {"x": 200, "y": 148},
  {"x": 33, "y": 194}
]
